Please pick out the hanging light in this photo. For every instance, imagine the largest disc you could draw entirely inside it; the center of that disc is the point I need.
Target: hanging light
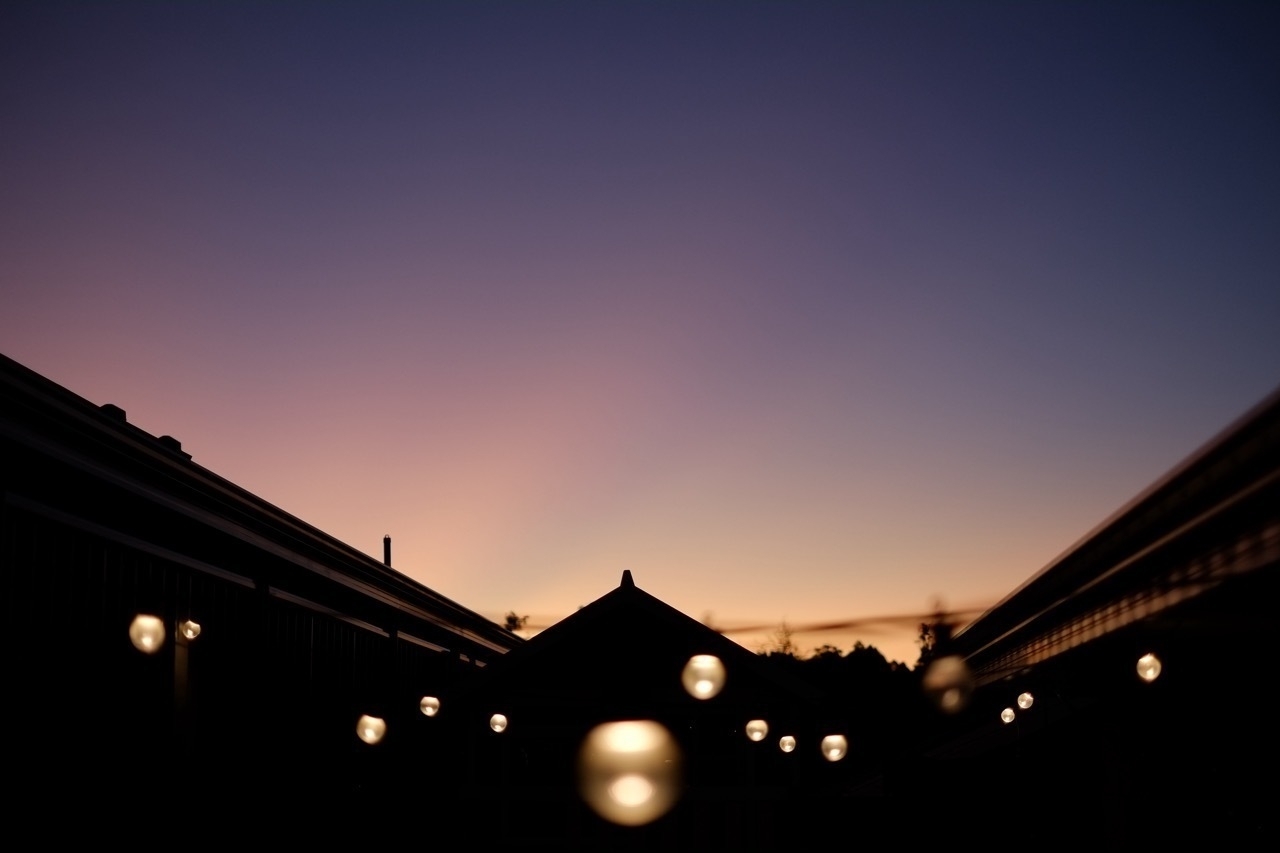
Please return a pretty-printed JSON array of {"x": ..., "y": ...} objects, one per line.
[
  {"x": 834, "y": 747},
  {"x": 1149, "y": 667},
  {"x": 629, "y": 771},
  {"x": 190, "y": 629},
  {"x": 370, "y": 729},
  {"x": 498, "y": 722},
  {"x": 948, "y": 682},
  {"x": 757, "y": 729},
  {"x": 787, "y": 743},
  {"x": 703, "y": 676},
  {"x": 147, "y": 633},
  {"x": 429, "y": 705},
  {"x": 1025, "y": 700},
  {"x": 1007, "y": 715}
]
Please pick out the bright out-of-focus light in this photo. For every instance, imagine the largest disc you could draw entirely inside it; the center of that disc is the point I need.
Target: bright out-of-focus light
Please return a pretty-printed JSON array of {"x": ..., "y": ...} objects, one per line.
[
  {"x": 1025, "y": 700},
  {"x": 629, "y": 771},
  {"x": 190, "y": 629},
  {"x": 429, "y": 705},
  {"x": 703, "y": 676},
  {"x": 834, "y": 747},
  {"x": 147, "y": 633},
  {"x": 498, "y": 722},
  {"x": 757, "y": 729},
  {"x": 787, "y": 743},
  {"x": 1149, "y": 667},
  {"x": 370, "y": 729},
  {"x": 1007, "y": 715},
  {"x": 948, "y": 682}
]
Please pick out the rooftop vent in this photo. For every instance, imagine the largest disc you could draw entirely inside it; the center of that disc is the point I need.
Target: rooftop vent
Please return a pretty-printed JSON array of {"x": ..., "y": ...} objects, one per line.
[
  {"x": 113, "y": 411},
  {"x": 171, "y": 443}
]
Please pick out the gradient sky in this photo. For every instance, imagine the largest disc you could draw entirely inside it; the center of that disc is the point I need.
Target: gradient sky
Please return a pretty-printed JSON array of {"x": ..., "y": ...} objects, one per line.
[{"x": 803, "y": 312}]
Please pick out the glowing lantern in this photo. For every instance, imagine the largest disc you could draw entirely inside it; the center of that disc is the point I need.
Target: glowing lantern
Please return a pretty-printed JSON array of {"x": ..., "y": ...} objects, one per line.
[
  {"x": 1025, "y": 700},
  {"x": 1149, "y": 667},
  {"x": 370, "y": 729},
  {"x": 757, "y": 729},
  {"x": 147, "y": 633},
  {"x": 429, "y": 705},
  {"x": 787, "y": 743},
  {"x": 498, "y": 722},
  {"x": 190, "y": 629},
  {"x": 834, "y": 747},
  {"x": 703, "y": 676},
  {"x": 948, "y": 683},
  {"x": 629, "y": 771},
  {"x": 1007, "y": 715}
]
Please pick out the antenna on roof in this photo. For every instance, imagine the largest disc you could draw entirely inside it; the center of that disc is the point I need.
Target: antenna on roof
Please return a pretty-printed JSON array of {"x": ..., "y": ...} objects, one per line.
[
  {"x": 386, "y": 549},
  {"x": 626, "y": 578}
]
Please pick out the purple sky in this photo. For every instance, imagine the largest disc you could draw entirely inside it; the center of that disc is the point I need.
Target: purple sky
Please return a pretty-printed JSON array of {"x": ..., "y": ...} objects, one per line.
[{"x": 801, "y": 311}]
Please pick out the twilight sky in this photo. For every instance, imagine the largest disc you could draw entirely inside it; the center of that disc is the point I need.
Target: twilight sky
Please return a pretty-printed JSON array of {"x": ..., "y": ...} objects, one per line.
[{"x": 801, "y": 311}]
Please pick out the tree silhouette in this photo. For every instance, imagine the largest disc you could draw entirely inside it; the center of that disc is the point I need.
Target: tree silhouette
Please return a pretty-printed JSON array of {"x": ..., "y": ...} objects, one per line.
[{"x": 514, "y": 622}]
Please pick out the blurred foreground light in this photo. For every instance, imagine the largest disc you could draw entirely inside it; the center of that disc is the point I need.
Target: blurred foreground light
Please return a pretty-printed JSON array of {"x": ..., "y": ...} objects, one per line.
[
  {"x": 370, "y": 729},
  {"x": 703, "y": 676},
  {"x": 948, "y": 682},
  {"x": 498, "y": 722},
  {"x": 834, "y": 747},
  {"x": 629, "y": 771},
  {"x": 1007, "y": 715},
  {"x": 146, "y": 633},
  {"x": 757, "y": 729},
  {"x": 190, "y": 629},
  {"x": 429, "y": 705},
  {"x": 1149, "y": 667},
  {"x": 1025, "y": 700},
  {"x": 787, "y": 743}
]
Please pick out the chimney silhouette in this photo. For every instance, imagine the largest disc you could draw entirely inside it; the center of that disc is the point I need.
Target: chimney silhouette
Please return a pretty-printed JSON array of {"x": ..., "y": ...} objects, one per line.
[{"x": 386, "y": 549}]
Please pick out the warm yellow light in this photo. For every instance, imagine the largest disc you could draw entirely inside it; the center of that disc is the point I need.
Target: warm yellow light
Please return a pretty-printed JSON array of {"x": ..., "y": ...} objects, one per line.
[
  {"x": 1149, "y": 667},
  {"x": 1025, "y": 700},
  {"x": 703, "y": 676},
  {"x": 370, "y": 729},
  {"x": 787, "y": 743},
  {"x": 190, "y": 629},
  {"x": 948, "y": 682},
  {"x": 629, "y": 771},
  {"x": 757, "y": 729},
  {"x": 1007, "y": 715},
  {"x": 498, "y": 722},
  {"x": 147, "y": 633},
  {"x": 834, "y": 747},
  {"x": 429, "y": 705}
]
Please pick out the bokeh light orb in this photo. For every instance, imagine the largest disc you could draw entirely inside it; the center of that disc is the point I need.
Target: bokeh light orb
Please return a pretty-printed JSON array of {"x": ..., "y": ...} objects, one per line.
[
  {"x": 429, "y": 705},
  {"x": 703, "y": 676},
  {"x": 190, "y": 629},
  {"x": 1007, "y": 715},
  {"x": 498, "y": 722},
  {"x": 370, "y": 729},
  {"x": 1025, "y": 700},
  {"x": 948, "y": 683},
  {"x": 1149, "y": 667},
  {"x": 146, "y": 632},
  {"x": 629, "y": 771},
  {"x": 787, "y": 743},
  {"x": 757, "y": 730},
  {"x": 834, "y": 747}
]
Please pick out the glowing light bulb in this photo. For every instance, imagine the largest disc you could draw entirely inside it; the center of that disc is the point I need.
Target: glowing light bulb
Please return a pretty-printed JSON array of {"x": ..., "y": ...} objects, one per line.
[
  {"x": 948, "y": 682},
  {"x": 1007, "y": 715},
  {"x": 1149, "y": 667},
  {"x": 190, "y": 629},
  {"x": 834, "y": 747},
  {"x": 787, "y": 743},
  {"x": 703, "y": 676},
  {"x": 1025, "y": 700},
  {"x": 629, "y": 771},
  {"x": 757, "y": 729},
  {"x": 498, "y": 722},
  {"x": 429, "y": 705},
  {"x": 146, "y": 632},
  {"x": 370, "y": 729}
]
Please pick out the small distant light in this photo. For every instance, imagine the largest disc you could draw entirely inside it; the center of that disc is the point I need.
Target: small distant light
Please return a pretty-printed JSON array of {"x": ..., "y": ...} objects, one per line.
[
  {"x": 429, "y": 705},
  {"x": 629, "y": 771},
  {"x": 147, "y": 633},
  {"x": 757, "y": 729},
  {"x": 190, "y": 629},
  {"x": 1149, "y": 667},
  {"x": 1025, "y": 700},
  {"x": 370, "y": 729},
  {"x": 703, "y": 676},
  {"x": 834, "y": 747},
  {"x": 498, "y": 722},
  {"x": 787, "y": 743},
  {"x": 1007, "y": 715},
  {"x": 948, "y": 682}
]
